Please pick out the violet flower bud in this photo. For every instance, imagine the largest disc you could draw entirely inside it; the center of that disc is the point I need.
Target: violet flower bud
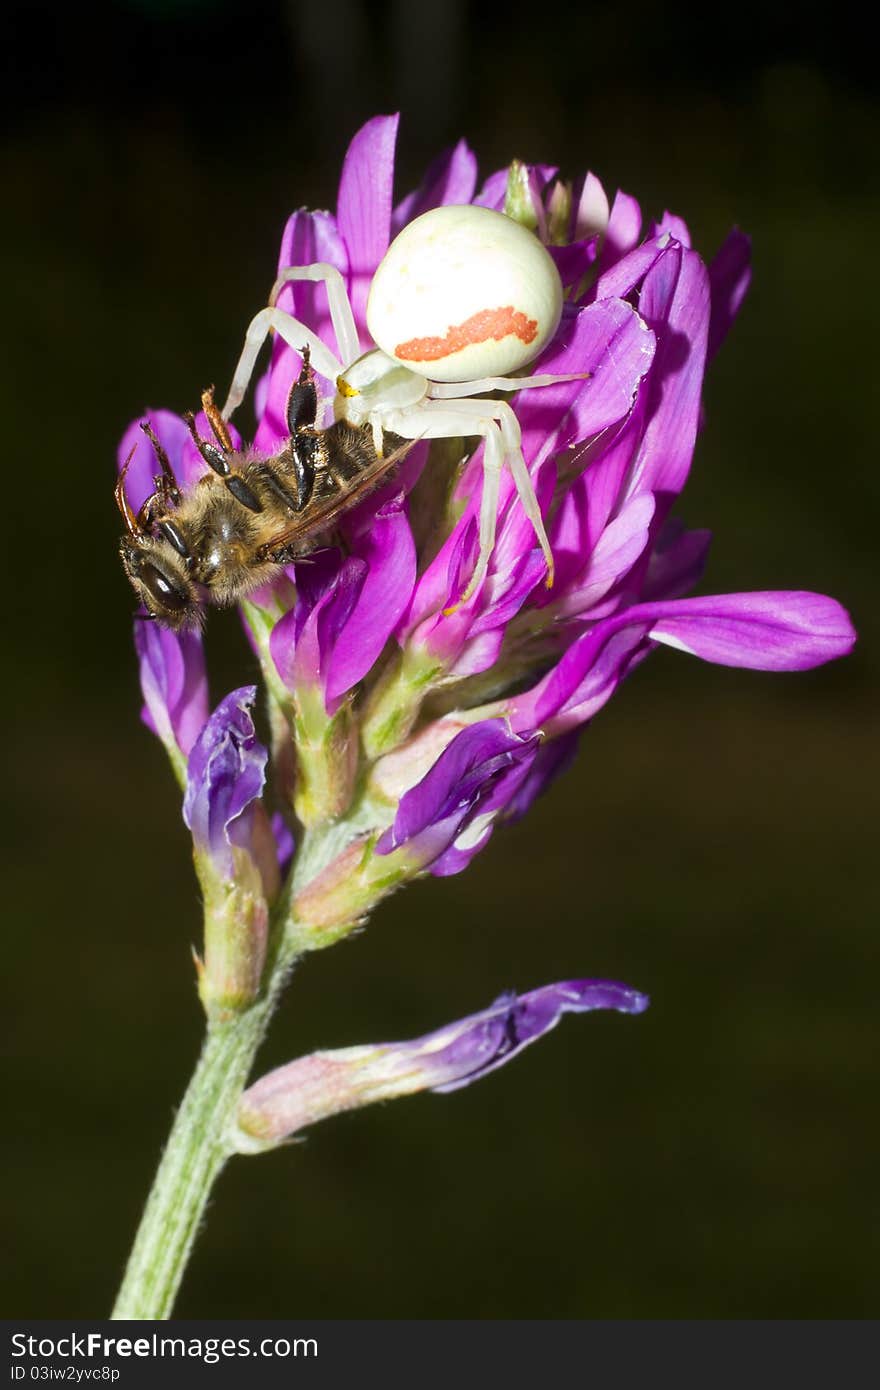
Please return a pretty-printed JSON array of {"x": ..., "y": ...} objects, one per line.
[
  {"x": 234, "y": 850},
  {"x": 174, "y": 684},
  {"x": 300, "y": 1094},
  {"x": 444, "y": 820}
]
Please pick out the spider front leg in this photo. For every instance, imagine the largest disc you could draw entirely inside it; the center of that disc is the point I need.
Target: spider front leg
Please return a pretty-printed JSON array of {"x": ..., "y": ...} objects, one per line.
[
  {"x": 294, "y": 333},
  {"x": 338, "y": 302}
]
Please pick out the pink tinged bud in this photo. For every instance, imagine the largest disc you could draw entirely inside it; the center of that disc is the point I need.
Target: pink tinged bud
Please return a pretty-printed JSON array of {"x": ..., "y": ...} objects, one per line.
[
  {"x": 346, "y": 891},
  {"x": 295, "y": 1096}
]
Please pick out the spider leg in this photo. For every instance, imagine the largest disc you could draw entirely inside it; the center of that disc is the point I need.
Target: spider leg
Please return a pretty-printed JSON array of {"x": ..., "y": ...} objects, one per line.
[
  {"x": 294, "y": 333},
  {"x": 493, "y": 462},
  {"x": 427, "y": 422},
  {"x": 505, "y": 419},
  {"x": 453, "y": 390},
  {"x": 341, "y": 313}
]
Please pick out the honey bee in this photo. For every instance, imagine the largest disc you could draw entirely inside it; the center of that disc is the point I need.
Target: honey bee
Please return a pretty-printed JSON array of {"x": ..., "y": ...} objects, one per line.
[{"x": 230, "y": 533}]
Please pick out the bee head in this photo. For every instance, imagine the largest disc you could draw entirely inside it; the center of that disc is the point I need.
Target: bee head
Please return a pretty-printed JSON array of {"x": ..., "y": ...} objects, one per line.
[{"x": 159, "y": 577}]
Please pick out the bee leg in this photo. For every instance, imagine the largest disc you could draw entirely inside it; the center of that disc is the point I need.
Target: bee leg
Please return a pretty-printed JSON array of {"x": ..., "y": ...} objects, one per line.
[
  {"x": 296, "y": 468},
  {"x": 150, "y": 509},
  {"x": 216, "y": 421},
  {"x": 166, "y": 483},
  {"x": 215, "y": 458},
  {"x": 302, "y": 403}
]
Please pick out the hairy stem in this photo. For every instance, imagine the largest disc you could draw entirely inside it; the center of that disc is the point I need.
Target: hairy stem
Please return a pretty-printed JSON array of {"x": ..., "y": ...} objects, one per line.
[
  {"x": 197, "y": 1149},
  {"x": 200, "y": 1140}
]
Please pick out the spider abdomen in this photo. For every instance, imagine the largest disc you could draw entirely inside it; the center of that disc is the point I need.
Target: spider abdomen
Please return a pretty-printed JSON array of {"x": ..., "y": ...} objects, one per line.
[{"x": 464, "y": 293}]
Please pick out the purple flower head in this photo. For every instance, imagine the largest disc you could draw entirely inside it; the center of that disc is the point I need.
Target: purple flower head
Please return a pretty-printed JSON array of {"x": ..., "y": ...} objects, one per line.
[
  {"x": 426, "y": 719},
  {"x": 449, "y": 815},
  {"x": 326, "y": 1083},
  {"x": 225, "y": 779}
]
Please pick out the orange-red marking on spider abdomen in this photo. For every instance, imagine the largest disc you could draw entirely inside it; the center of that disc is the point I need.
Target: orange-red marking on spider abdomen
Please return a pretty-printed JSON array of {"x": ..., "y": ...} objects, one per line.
[{"x": 479, "y": 328}]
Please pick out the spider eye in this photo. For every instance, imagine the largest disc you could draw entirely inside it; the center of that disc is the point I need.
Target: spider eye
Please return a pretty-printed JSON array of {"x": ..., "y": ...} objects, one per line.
[{"x": 166, "y": 595}]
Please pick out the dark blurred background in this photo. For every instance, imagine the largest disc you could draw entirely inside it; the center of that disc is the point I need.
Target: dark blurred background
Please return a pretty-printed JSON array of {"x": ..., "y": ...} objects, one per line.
[{"x": 715, "y": 844}]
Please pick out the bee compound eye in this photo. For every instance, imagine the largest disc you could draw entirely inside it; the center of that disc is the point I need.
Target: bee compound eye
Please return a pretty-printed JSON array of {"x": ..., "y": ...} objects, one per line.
[{"x": 166, "y": 595}]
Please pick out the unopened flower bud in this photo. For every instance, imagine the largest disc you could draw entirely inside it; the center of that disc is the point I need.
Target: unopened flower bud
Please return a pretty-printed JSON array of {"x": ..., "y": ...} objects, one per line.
[
  {"x": 234, "y": 852},
  {"x": 292, "y": 1097}
]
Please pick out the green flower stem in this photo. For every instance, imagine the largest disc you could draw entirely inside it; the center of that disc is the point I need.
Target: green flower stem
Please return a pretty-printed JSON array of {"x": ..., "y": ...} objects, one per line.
[
  {"x": 197, "y": 1149},
  {"x": 202, "y": 1136}
]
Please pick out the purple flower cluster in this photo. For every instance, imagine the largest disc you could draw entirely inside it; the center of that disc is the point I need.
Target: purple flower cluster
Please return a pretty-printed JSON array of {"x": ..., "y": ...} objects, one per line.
[{"x": 409, "y": 730}]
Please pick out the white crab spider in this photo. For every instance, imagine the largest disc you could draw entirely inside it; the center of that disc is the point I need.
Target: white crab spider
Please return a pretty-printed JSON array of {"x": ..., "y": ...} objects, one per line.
[{"x": 463, "y": 296}]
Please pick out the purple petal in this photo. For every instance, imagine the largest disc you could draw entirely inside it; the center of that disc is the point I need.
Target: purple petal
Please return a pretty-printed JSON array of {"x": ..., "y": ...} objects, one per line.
[
  {"x": 347, "y": 609},
  {"x": 302, "y": 643},
  {"x": 770, "y": 631},
  {"x": 675, "y": 226},
  {"x": 475, "y": 775},
  {"x": 622, "y": 232},
  {"x": 592, "y": 211},
  {"x": 451, "y": 178},
  {"x": 286, "y": 844},
  {"x": 677, "y": 562},
  {"x": 575, "y": 260},
  {"x": 593, "y": 498},
  {"x": 174, "y": 683},
  {"x": 364, "y": 208},
  {"x": 730, "y": 274},
  {"x": 621, "y": 544},
  {"x": 389, "y": 552},
  {"x": 787, "y": 631},
  {"x": 488, "y": 1040},
  {"x": 491, "y": 195},
  {"x": 610, "y": 341},
  {"x": 308, "y": 237},
  {"x": 675, "y": 303},
  {"x": 225, "y": 779},
  {"x": 623, "y": 277},
  {"x": 582, "y": 681}
]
